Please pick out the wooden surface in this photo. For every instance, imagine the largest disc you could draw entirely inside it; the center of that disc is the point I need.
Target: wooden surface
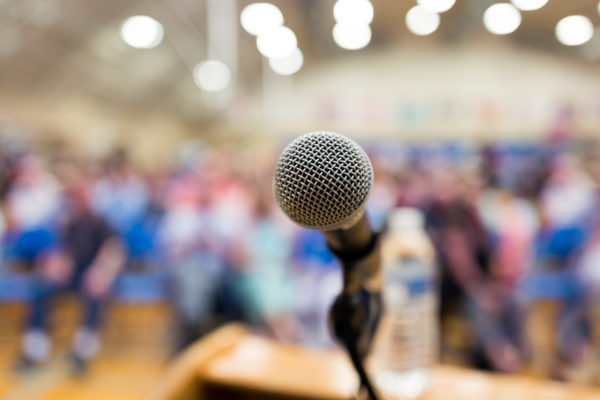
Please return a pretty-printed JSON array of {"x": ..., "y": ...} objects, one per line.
[
  {"x": 183, "y": 378},
  {"x": 250, "y": 367},
  {"x": 259, "y": 364},
  {"x": 451, "y": 383}
]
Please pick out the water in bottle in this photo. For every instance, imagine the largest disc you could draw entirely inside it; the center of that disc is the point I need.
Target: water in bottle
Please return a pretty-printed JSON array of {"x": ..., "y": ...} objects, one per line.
[{"x": 406, "y": 344}]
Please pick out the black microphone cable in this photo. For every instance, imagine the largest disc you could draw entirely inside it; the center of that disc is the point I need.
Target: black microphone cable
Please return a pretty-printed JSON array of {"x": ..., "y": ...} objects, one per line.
[{"x": 345, "y": 312}]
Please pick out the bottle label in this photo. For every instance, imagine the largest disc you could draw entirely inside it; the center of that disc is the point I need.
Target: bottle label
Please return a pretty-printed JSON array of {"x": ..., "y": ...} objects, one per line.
[
  {"x": 410, "y": 332},
  {"x": 413, "y": 286}
]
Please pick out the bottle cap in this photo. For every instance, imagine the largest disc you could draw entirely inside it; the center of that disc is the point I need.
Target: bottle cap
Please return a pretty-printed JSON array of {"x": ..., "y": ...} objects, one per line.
[{"x": 406, "y": 218}]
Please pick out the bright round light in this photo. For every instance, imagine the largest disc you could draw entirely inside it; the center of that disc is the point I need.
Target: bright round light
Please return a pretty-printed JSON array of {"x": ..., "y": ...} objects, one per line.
[
  {"x": 351, "y": 37},
  {"x": 574, "y": 30},
  {"x": 212, "y": 75},
  {"x": 353, "y": 12},
  {"x": 142, "y": 32},
  {"x": 288, "y": 65},
  {"x": 502, "y": 18},
  {"x": 277, "y": 42},
  {"x": 422, "y": 22},
  {"x": 529, "y": 5},
  {"x": 259, "y": 17},
  {"x": 436, "y": 6}
]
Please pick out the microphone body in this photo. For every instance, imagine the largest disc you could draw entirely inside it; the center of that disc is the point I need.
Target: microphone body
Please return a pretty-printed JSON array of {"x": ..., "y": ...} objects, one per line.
[{"x": 322, "y": 181}]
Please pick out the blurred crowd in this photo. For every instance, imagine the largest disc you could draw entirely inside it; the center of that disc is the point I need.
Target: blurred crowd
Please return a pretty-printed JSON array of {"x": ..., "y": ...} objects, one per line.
[
  {"x": 208, "y": 225},
  {"x": 515, "y": 227}
]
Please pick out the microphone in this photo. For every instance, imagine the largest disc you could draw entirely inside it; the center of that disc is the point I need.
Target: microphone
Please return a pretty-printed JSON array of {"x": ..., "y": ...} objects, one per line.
[{"x": 322, "y": 181}]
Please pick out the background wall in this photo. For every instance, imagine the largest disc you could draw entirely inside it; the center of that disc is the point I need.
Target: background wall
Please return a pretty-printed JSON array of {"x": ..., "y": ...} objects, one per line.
[{"x": 476, "y": 91}]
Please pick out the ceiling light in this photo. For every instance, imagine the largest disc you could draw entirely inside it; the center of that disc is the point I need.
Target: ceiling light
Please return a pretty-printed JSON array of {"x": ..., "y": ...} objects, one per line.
[
  {"x": 288, "y": 65},
  {"x": 351, "y": 37},
  {"x": 574, "y": 30},
  {"x": 212, "y": 75},
  {"x": 259, "y": 17},
  {"x": 436, "y": 6},
  {"x": 277, "y": 42},
  {"x": 353, "y": 12},
  {"x": 502, "y": 18},
  {"x": 529, "y": 5},
  {"x": 142, "y": 32},
  {"x": 421, "y": 21}
]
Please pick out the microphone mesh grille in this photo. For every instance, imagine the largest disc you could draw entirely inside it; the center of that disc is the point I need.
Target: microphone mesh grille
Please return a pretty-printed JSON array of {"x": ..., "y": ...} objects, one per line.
[{"x": 321, "y": 179}]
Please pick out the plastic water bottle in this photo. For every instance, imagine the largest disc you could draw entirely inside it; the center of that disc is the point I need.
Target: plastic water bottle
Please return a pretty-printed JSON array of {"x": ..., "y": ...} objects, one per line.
[{"x": 407, "y": 341}]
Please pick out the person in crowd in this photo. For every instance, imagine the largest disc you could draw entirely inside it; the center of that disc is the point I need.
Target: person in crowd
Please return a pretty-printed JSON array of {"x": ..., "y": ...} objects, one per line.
[
  {"x": 569, "y": 193},
  {"x": 588, "y": 277},
  {"x": 465, "y": 257},
  {"x": 318, "y": 281},
  {"x": 2, "y": 233},
  {"x": 383, "y": 197},
  {"x": 34, "y": 204},
  {"x": 7, "y": 175},
  {"x": 512, "y": 223},
  {"x": 121, "y": 197},
  {"x": 551, "y": 286},
  {"x": 264, "y": 253},
  {"x": 86, "y": 259},
  {"x": 194, "y": 251},
  {"x": 7, "y": 167}
]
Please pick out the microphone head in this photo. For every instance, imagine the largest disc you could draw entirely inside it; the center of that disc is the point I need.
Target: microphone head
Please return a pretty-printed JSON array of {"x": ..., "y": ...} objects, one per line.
[{"x": 322, "y": 181}]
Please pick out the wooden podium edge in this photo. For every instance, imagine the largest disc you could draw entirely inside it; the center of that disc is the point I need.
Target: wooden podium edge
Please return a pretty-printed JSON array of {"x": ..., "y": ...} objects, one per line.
[{"x": 182, "y": 379}]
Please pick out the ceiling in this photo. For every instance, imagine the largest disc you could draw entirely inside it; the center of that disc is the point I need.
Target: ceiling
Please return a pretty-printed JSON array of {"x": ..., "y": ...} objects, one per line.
[{"x": 55, "y": 47}]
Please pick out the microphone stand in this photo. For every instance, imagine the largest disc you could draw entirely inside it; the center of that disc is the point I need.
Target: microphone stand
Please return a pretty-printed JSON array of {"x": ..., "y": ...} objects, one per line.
[{"x": 356, "y": 311}]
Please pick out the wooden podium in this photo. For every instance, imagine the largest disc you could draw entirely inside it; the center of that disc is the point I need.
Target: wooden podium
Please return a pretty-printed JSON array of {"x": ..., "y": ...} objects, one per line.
[{"x": 232, "y": 364}]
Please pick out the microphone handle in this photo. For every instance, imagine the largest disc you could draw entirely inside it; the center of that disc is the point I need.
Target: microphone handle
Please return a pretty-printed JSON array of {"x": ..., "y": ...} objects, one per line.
[
  {"x": 352, "y": 242},
  {"x": 358, "y": 250}
]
